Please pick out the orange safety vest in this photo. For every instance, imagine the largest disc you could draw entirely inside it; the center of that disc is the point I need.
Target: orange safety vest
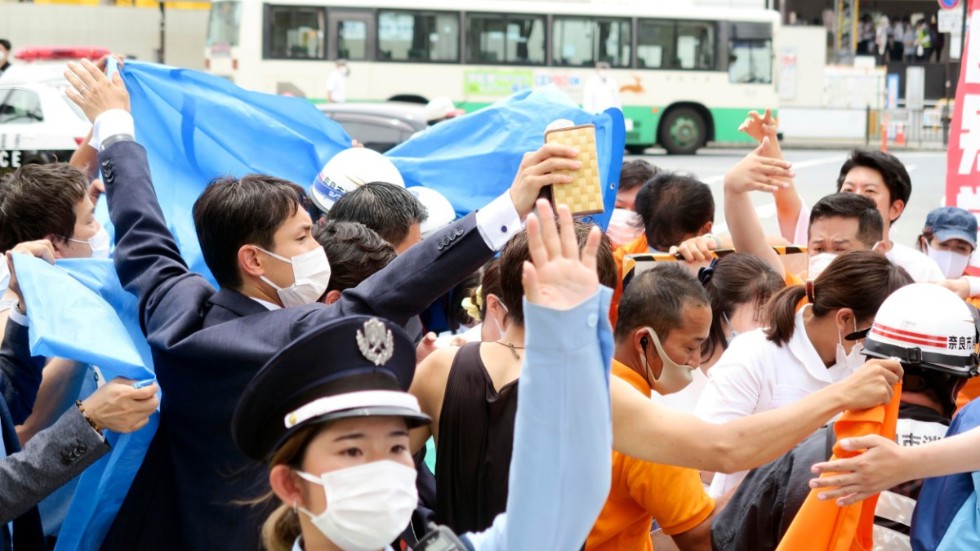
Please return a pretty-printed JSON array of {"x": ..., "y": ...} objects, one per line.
[{"x": 823, "y": 525}]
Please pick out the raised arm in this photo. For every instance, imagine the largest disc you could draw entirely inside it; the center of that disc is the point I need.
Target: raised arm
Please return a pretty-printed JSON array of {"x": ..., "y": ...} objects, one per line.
[
  {"x": 561, "y": 468},
  {"x": 428, "y": 270},
  {"x": 788, "y": 202},
  {"x": 147, "y": 258},
  {"x": 644, "y": 430},
  {"x": 754, "y": 172}
]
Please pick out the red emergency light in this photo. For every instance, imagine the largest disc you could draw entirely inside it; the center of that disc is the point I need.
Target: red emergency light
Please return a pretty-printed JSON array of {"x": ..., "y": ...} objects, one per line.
[{"x": 58, "y": 53}]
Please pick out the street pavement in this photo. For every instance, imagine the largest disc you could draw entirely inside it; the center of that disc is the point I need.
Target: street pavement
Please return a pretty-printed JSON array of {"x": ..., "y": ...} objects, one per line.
[{"x": 816, "y": 176}]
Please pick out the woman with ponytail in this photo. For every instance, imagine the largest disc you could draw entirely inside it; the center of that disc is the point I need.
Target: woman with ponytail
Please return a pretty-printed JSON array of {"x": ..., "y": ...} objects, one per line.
[{"x": 801, "y": 350}]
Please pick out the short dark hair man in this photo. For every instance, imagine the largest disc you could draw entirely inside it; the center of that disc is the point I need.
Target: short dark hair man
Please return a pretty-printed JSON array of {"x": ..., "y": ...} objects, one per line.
[
  {"x": 837, "y": 223},
  {"x": 390, "y": 210},
  {"x": 882, "y": 178},
  {"x": 51, "y": 202},
  {"x": 674, "y": 207},
  {"x": 207, "y": 343},
  {"x": 656, "y": 349}
]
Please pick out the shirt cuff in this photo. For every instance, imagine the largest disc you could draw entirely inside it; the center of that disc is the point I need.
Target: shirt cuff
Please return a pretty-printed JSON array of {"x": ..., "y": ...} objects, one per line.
[
  {"x": 111, "y": 123},
  {"x": 18, "y": 318},
  {"x": 974, "y": 285},
  {"x": 498, "y": 222}
]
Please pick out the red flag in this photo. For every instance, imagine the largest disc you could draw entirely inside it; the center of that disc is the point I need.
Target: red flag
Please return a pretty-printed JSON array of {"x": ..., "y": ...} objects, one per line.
[{"x": 963, "y": 156}]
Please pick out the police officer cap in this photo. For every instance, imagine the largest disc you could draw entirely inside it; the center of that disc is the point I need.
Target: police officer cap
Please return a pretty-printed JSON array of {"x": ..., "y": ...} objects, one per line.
[{"x": 353, "y": 367}]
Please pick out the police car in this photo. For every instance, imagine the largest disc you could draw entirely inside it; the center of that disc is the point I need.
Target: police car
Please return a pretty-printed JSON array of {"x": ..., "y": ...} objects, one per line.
[{"x": 38, "y": 124}]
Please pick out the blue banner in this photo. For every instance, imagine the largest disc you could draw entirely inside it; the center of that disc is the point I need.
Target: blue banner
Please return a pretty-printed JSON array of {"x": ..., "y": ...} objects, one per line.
[
  {"x": 78, "y": 310},
  {"x": 473, "y": 159},
  {"x": 197, "y": 127}
]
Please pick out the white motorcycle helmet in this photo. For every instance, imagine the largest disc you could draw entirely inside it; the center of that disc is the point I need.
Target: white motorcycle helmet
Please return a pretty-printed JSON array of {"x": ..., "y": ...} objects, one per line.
[
  {"x": 932, "y": 331},
  {"x": 440, "y": 210},
  {"x": 348, "y": 170}
]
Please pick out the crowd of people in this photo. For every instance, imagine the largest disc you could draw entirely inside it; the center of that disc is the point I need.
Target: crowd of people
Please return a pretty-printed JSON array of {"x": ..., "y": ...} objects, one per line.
[{"x": 596, "y": 402}]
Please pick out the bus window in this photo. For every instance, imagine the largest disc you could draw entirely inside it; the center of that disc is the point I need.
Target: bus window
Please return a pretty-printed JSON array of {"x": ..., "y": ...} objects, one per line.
[
  {"x": 412, "y": 36},
  {"x": 295, "y": 33},
  {"x": 695, "y": 46},
  {"x": 515, "y": 39},
  {"x": 223, "y": 26},
  {"x": 352, "y": 40},
  {"x": 655, "y": 44},
  {"x": 750, "y": 61},
  {"x": 583, "y": 42}
]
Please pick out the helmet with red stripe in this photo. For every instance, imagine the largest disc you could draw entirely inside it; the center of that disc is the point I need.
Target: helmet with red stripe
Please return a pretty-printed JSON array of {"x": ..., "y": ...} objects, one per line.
[
  {"x": 933, "y": 332},
  {"x": 926, "y": 326}
]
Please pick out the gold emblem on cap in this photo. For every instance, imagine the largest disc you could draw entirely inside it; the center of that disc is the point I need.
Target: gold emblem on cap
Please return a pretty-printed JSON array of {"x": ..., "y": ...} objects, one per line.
[
  {"x": 292, "y": 420},
  {"x": 376, "y": 343}
]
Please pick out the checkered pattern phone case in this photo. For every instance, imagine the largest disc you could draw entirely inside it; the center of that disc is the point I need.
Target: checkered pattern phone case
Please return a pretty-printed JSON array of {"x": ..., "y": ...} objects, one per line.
[{"x": 584, "y": 195}]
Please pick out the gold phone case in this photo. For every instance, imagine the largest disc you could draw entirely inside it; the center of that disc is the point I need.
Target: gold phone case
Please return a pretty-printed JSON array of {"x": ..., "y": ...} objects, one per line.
[{"x": 584, "y": 195}]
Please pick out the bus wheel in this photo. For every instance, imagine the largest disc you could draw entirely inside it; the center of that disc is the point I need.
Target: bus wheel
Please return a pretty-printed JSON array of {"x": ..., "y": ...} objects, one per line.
[
  {"x": 635, "y": 149},
  {"x": 682, "y": 131}
]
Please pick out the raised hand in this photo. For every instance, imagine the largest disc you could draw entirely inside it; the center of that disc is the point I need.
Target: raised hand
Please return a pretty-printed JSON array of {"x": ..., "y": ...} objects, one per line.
[
  {"x": 856, "y": 478},
  {"x": 757, "y": 172},
  {"x": 557, "y": 276},
  {"x": 538, "y": 169},
  {"x": 93, "y": 92},
  {"x": 758, "y": 126}
]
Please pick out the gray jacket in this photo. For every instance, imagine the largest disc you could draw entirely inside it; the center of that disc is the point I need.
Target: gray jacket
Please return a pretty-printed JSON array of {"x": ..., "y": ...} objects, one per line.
[{"x": 49, "y": 460}]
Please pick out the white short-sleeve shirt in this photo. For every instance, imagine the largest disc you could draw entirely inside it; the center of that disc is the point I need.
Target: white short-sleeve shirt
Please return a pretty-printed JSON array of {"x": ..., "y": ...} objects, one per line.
[{"x": 755, "y": 374}]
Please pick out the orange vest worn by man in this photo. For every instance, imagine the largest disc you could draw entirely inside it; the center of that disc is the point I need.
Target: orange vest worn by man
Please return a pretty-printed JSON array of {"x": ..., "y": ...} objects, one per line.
[{"x": 642, "y": 491}]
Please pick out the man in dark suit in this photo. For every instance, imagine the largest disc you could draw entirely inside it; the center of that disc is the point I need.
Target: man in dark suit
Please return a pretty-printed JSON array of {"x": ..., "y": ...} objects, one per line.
[{"x": 208, "y": 344}]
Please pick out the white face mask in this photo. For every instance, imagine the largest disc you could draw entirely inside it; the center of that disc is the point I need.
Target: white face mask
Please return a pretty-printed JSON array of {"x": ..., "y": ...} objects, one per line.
[
  {"x": 951, "y": 263},
  {"x": 368, "y": 506},
  {"x": 818, "y": 263},
  {"x": 673, "y": 376},
  {"x": 855, "y": 359},
  {"x": 99, "y": 243},
  {"x": 311, "y": 275}
]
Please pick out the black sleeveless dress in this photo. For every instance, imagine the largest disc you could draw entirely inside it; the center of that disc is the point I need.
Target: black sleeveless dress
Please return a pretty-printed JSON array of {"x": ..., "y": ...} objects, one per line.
[{"x": 476, "y": 438}]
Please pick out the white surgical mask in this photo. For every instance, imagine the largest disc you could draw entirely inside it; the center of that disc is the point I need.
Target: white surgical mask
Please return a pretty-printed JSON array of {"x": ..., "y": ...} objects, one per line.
[
  {"x": 368, "y": 506},
  {"x": 673, "y": 376},
  {"x": 731, "y": 329},
  {"x": 951, "y": 263},
  {"x": 818, "y": 263},
  {"x": 99, "y": 243},
  {"x": 855, "y": 358},
  {"x": 311, "y": 275}
]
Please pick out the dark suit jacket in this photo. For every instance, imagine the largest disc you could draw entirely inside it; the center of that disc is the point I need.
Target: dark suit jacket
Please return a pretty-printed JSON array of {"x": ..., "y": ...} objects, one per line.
[{"x": 208, "y": 344}]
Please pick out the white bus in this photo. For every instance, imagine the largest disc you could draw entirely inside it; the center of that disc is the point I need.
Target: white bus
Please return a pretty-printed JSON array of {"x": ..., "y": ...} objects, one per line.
[{"x": 686, "y": 76}]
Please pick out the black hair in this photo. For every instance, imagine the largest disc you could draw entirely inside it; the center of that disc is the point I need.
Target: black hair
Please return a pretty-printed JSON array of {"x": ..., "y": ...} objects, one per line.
[
  {"x": 892, "y": 171},
  {"x": 388, "y": 209},
  {"x": 5, "y": 43},
  {"x": 852, "y": 205},
  {"x": 233, "y": 212},
  {"x": 736, "y": 279},
  {"x": 673, "y": 207},
  {"x": 859, "y": 280},
  {"x": 656, "y": 299},
  {"x": 39, "y": 200},
  {"x": 635, "y": 173},
  {"x": 355, "y": 252}
]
